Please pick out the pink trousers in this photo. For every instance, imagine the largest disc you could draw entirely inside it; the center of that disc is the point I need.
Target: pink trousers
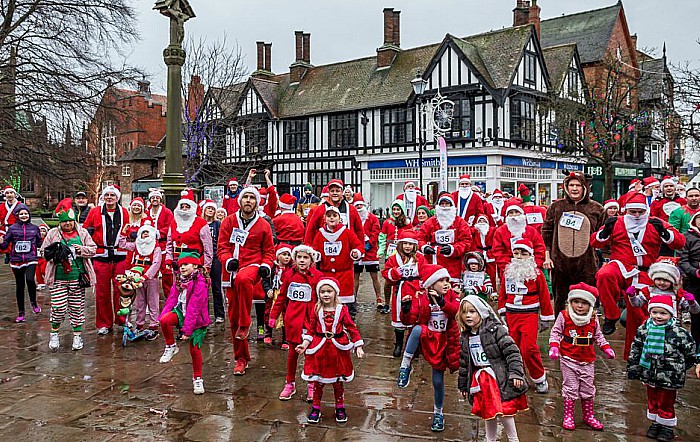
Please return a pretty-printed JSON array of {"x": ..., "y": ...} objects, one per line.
[{"x": 577, "y": 380}]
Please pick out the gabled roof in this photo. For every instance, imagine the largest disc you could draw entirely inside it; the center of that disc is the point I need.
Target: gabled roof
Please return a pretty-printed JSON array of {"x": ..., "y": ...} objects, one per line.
[
  {"x": 141, "y": 153},
  {"x": 558, "y": 59},
  {"x": 226, "y": 98},
  {"x": 651, "y": 81},
  {"x": 269, "y": 91},
  {"x": 122, "y": 94},
  {"x": 590, "y": 30}
]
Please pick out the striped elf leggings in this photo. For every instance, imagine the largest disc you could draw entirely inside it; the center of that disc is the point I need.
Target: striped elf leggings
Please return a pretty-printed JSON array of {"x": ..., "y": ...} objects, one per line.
[{"x": 67, "y": 296}]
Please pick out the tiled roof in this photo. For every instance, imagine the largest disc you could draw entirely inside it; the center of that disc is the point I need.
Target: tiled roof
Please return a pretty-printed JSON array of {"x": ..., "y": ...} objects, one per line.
[
  {"x": 558, "y": 60},
  {"x": 127, "y": 93},
  {"x": 589, "y": 30},
  {"x": 227, "y": 97},
  {"x": 141, "y": 153},
  {"x": 651, "y": 81},
  {"x": 269, "y": 90}
]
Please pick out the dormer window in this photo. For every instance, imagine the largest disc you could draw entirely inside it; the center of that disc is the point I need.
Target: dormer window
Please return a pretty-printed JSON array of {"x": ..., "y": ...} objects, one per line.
[{"x": 530, "y": 68}]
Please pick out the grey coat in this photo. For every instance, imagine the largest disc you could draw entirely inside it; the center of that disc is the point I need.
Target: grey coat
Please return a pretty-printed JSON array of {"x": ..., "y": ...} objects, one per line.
[{"x": 503, "y": 355}]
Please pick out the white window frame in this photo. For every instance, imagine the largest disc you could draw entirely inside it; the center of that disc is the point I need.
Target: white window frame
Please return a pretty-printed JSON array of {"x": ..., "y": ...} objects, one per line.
[
  {"x": 108, "y": 144},
  {"x": 126, "y": 169}
]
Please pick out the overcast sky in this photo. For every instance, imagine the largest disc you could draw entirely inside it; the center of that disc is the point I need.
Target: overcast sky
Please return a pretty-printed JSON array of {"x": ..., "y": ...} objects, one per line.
[{"x": 347, "y": 29}]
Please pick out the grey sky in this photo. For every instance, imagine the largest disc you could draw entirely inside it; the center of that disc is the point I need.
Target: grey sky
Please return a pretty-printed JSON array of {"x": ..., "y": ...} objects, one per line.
[{"x": 343, "y": 30}]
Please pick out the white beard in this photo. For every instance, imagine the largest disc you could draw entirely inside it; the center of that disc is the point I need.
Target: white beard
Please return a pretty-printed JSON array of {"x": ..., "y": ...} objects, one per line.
[
  {"x": 521, "y": 270},
  {"x": 498, "y": 205},
  {"x": 579, "y": 320},
  {"x": 464, "y": 193},
  {"x": 410, "y": 195},
  {"x": 483, "y": 230},
  {"x": 634, "y": 225},
  {"x": 445, "y": 216},
  {"x": 655, "y": 193},
  {"x": 145, "y": 246},
  {"x": 364, "y": 214},
  {"x": 184, "y": 219},
  {"x": 516, "y": 225}
]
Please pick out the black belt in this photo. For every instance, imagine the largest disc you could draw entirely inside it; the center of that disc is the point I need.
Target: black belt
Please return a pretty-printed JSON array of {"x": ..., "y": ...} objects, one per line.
[
  {"x": 411, "y": 278},
  {"x": 643, "y": 269},
  {"x": 580, "y": 341},
  {"x": 330, "y": 335},
  {"x": 142, "y": 262}
]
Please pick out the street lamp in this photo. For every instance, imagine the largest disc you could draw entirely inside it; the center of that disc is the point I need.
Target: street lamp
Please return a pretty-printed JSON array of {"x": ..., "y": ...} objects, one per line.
[{"x": 419, "y": 84}]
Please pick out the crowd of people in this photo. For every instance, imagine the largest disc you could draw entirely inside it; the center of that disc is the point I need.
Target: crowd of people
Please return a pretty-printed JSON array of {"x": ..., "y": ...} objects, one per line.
[{"x": 468, "y": 284}]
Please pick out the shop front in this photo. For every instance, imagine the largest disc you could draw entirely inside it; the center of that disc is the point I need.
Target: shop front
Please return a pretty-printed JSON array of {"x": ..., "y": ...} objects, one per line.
[{"x": 623, "y": 174}]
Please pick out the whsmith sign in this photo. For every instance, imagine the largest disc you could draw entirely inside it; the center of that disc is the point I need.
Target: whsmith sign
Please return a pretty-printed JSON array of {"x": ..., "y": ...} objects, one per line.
[
  {"x": 412, "y": 163},
  {"x": 540, "y": 164}
]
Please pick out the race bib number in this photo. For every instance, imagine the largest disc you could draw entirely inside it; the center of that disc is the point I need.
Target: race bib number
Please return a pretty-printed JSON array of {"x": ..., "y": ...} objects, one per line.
[
  {"x": 299, "y": 292},
  {"x": 571, "y": 221},
  {"x": 670, "y": 207},
  {"x": 23, "y": 246},
  {"x": 477, "y": 352},
  {"x": 344, "y": 219},
  {"x": 470, "y": 220},
  {"x": 534, "y": 218},
  {"x": 473, "y": 279},
  {"x": 306, "y": 211},
  {"x": 438, "y": 321},
  {"x": 515, "y": 288},
  {"x": 445, "y": 236},
  {"x": 637, "y": 248},
  {"x": 409, "y": 271},
  {"x": 239, "y": 236},
  {"x": 332, "y": 248},
  {"x": 391, "y": 250}
]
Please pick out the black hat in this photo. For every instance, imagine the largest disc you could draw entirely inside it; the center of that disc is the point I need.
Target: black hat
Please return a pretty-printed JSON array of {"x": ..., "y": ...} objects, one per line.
[{"x": 80, "y": 193}]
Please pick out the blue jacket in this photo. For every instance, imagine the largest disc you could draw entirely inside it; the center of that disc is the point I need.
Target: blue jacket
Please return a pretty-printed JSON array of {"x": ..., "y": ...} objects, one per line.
[{"x": 24, "y": 240}]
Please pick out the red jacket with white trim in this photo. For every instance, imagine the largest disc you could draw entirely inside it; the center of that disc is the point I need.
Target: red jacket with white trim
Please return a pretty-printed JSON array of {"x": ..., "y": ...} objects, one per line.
[
  {"x": 461, "y": 244},
  {"x": 371, "y": 229},
  {"x": 258, "y": 247},
  {"x": 502, "y": 251},
  {"x": 289, "y": 227},
  {"x": 96, "y": 220},
  {"x": 530, "y": 296}
]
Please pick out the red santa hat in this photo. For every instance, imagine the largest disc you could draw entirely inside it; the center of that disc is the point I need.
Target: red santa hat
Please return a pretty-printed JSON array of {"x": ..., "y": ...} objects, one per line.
[
  {"x": 335, "y": 182},
  {"x": 44, "y": 227},
  {"x": 680, "y": 186},
  {"x": 358, "y": 200},
  {"x": 497, "y": 193},
  {"x": 147, "y": 227},
  {"x": 153, "y": 192},
  {"x": 187, "y": 197},
  {"x": 466, "y": 178},
  {"x": 665, "y": 269},
  {"x": 662, "y": 301},
  {"x": 611, "y": 203},
  {"x": 409, "y": 236},
  {"x": 281, "y": 248},
  {"x": 513, "y": 204},
  {"x": 649, "y": 181},
  {"x": 65, "y": 206},
  {"x": 433, "y": 273},
  {"x": 303, "y": 248},
  {"x": 524, "y": 193},
  {"x": 287, "y": 201},
  {"x": 332, "y": 282},
  {"x": 7, "y": 189},
  {"x": 207, "y": 203},
  {"x": 138, "y": 201},
  {"x": 233, "y": 180},
  {"x": 251, "y": 190},
  {"x": 667, "y": 180},
  {"x": 583, "y": 291},
  {"x": 634, "y": 183},
  {"x": 331, "y": 208},
  {"x": 112, "y": 188},
  {"x": 324, "y": 192},
  {"x": 263, "y": 193},
  {"x": 445, "y": 197},
  {"x": 524, "y": 244},
  {"x": 636, "y": 201},
  {"x": 407, "y": 183}
]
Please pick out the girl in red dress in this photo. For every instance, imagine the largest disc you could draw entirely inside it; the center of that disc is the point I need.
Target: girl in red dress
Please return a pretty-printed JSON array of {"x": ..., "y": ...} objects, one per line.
[
  {"x": 491, "y": 372},
  {"x": 330, "y": 335}
]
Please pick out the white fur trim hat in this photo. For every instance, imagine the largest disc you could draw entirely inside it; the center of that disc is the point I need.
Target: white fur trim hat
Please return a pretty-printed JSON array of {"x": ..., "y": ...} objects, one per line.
[
  {"x": 662, "y": 301},
  {"x": 153, "y": 192},
  {"x": 208, "y": 203},
  {"x": 524, "y": 244},
  {"x": 434, "y": 273},
  {"x": 315, "y": 256},
  {"x": 514, "y": 207},
  {"x": 111, "y": 189},
  {"x": 328, "y": 281},
  {"x": 252, "y": 190},
  {"x": 665, "y": 270},
  {"x": 583, "y": 291}
]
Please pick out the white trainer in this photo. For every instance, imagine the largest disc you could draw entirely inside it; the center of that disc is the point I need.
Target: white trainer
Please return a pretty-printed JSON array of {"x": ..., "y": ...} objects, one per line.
[
  {"x": 198, "y": 386},
  {"x": 77, "y": 342},
  {"x": 54, "y": 342},
  {"x": 170, "y": 351},
  {"x": 102, "y": 331}
]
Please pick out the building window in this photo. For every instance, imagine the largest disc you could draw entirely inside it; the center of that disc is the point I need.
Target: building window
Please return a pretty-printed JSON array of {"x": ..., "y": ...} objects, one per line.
[
  {"x": 530, "y": 68},
  {"x": 108, "y": 144},
  {"x": 342, "y": 131},
  {"x": 296, "y": 135},
  {"x": 256, "y": 138},
  {"x": 27, "y": 185},
  {"x": 628, "y": 97},
  {"x": 522, "y": 119},
  {"x": 397, "y": 126},
  {"x": 461, "y": 119},
  {"x": 655, "y": 156},
  {"x": 126, "y": 170},
  {"x": 572, "y": 83},
  {"x": 321, "y": 178},
  {"x": 232, "y": 146}
]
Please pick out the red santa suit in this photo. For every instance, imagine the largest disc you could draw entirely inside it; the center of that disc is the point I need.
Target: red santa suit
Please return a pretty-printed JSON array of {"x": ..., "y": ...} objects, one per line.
[
  {"x": 469, "y": 204},
  {"x": 503, "y": 238},
  {"x": 296, "y": 301},
  {"x": 337, "y": 249},
  {"x": 7, "y": 215},
  {"x": 370, "y": 226},
  {"x": 195, "y": 237},
  {"x": 348, "y": 217},
  {"x": 404, "y": 276},
  {"x": 289, "y": 227},
  {"x": 494, "y": 208},
  {"x": 535, "y": 216},
  {"x": 633, "y": 248},
  {"x": 483, "y": 243},
  {"x": 521, "y": 300},
  {"x": 662, "y": 207},
  {"x": 269, "y": 200},
  {"x": 230, "y": 203},
  {"x": 412, "y": 201}
]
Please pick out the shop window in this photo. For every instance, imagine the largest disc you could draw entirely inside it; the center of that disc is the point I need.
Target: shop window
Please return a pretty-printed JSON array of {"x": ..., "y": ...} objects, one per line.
[
  {"x": 522, "y": 119},
  {"x": 342, "y": 131},
  {"x": 406, "y": 174},
  {"x": 381, "y": 174},
  {"x": 397, "y": 126},
  {"x": 296, "y": 135}
]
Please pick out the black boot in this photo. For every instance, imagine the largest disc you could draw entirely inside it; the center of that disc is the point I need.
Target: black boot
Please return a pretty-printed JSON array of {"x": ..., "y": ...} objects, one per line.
[
  {"x": 653, "y": 431},
  {"x": 398, "y": 343},
  {"x": 665, "y": 434},
  {"x": 609, "y": 326}
]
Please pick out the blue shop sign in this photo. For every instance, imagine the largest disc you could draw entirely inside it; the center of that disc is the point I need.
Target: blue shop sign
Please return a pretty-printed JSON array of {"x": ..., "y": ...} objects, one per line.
[
  {"x": 412, "y": 163},
  {"x": 539, "y": 164}
]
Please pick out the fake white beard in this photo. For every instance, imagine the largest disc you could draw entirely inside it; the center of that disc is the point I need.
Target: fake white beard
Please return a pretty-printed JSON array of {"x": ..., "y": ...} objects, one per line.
[
  {"x": 579, "y": 320},
  {"x": 184, "y": 219},
  {"x": 145, "y": 246},
  {"x": 364, "y": 213},
  {"x": 634, "y": 224},
  {"x": 465, "y": 192},
  {"x": 655, "y": 193},
  {"x": 516, "y": 225},
  {"x": 410, "y": 195},
  {"x": 482, "y": 228},
  {"x": 498, "y": 204},
  {"x": 445, "y": 216},
  {"x": 521, "y": 270}
]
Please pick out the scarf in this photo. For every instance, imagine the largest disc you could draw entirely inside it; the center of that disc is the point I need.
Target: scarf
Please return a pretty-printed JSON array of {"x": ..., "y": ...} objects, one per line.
[
  {"x": 654, "y": 344},
  {"x": 184, "y": 281},
  {"x": 579, "y": 320}
]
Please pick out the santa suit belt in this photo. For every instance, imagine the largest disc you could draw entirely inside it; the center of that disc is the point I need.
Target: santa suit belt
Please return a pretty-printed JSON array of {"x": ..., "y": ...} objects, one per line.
[
  {"x": 142, "y": 262},
  {"x": 411, "y": 278},
  {"x": 329, "y": 335},
  {"x": 477, "y": 388},
  {"x": 580, "y": 341}
]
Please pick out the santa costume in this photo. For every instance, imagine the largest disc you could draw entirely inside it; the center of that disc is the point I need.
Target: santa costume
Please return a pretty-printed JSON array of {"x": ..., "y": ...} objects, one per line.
[
  {"x": 412, "y": 200},
  {"x": 447, "y": 237},
  {"x": 162, "y": 220},
  {"x": 289, "y": 227},
  {"x": 534, "y": 215},
  {"x": 524, "y": 300},
  {"x": 469, "y": 205},
  {"x": 482, "y": 242},
  {"x": 634, "y": 245},
  {"x": 663, "y": 206},
  {"x": 189, "y": 232},
  {"x": 7, "y": 209},
  {"x": 370, "y": 226},
  {"x": 230, "y": 203},
  {"x": 494, "y": 207},
  {"x": 348, "y": 216},
  {"x": 515, "y": 228},
  {"x": 665, "y": 268},
  {"x": 389, "y": 233}
]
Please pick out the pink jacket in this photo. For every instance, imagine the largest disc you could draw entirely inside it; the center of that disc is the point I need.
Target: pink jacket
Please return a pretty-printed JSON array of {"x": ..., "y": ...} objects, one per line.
[
  {"x": 87, "y": 251},
  {"x": 197, "y": 305}
]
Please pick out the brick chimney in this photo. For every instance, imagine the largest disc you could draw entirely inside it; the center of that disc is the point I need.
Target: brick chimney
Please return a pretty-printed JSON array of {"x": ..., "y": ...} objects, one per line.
[
  {"x": 521, "y": 13},
  {"x": 534, "y": 17},
  {"x": 264, "y": 56},
  {"x": 144, "y": 87},
  {"x": 392, "y": 38},
  {"x": 195, "y": 96},
  {"x": 298, "y": 69}
]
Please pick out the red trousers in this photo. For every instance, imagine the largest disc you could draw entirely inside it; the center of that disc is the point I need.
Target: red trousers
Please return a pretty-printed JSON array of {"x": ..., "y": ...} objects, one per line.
[
  {"x": 166, "y": 280},
  {"x": 523, "y": 328},
  {"x": 240, "y": 302},
  {"x": 660, "y": 406},
  {"x": 611, "y": 285},
  {"x": 338, "y": 392},
  {"x": 167, "y": 322},
  {"x": 292, "y": 359},
  {"x": 106, "y": 293}
]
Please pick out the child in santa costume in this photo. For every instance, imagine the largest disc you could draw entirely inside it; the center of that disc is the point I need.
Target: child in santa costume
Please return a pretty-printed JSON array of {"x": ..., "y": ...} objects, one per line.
[
  {"x": 482, "y": 241},
  {"x": 446, "y": 237},
  {"x": 146, "y": 253},
  {"x": 515, "y": 227},
  {"x": 491, "y": 372},
  {"x": 339, "y": 248},
  {"x": 572, "y": 340},
  {"x": 402, "y": 273},
  {"x": 475, "y": 280},
  {"x": 187, "y": 308},
  {"x": 666, "y": 279},
  {"x": 296, "y": 303},
  {"x": 523, "y": 295},
  {"x": 162, "y": 220},
  {"x": 330, "y": 335},
  {"x": 435, "y": 331},
  {"x": 271, "y": 287},
  {"x": 661, "y": 353},
  {"x": 289, "y": 227},
  {"x": 7, "y": 209},
  {"x": 370, "y": 261}
]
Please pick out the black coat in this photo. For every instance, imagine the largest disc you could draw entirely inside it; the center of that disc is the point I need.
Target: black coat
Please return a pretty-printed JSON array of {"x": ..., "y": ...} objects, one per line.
[
  {"x": 689, "y": 261},
  {"x": 503, "y": 355}
]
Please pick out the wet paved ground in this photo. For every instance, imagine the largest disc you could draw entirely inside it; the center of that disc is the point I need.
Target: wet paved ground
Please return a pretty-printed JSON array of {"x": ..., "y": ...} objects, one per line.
[{"x": 106, "y": 392}]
